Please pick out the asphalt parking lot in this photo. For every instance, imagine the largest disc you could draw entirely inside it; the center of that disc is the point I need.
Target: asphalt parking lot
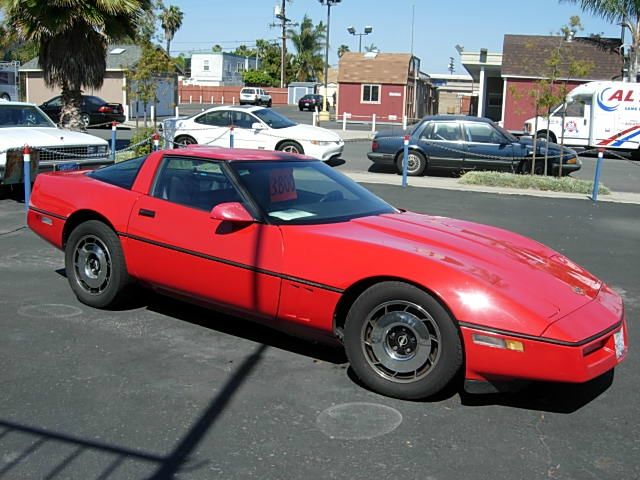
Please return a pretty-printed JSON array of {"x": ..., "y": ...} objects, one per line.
[{"x": 168, "y": 390}]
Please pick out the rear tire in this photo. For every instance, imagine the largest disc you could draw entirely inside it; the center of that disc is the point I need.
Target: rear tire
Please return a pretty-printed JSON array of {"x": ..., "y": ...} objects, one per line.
[
  {"x": 85, "y": 120},
  {"x": 269, "y": 104},
  {"x": 401, "y": 341},
  {"x": 5, "y": 96},
  {"x": 416, "y": 163},
  {"x": 183, "y": 141},
  {"x": 95, "y": 265}
]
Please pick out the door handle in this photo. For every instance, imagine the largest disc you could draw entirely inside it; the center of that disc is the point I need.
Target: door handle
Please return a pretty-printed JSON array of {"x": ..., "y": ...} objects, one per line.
[
  {"x": 143, "y": 212},
  {"x": 585, "y": 121}
]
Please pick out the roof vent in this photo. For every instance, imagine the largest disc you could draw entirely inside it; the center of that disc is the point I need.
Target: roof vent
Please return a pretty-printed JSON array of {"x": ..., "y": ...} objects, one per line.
[
  {"x": 373, "y": 54},
  {"x": 117, "y": 51}
]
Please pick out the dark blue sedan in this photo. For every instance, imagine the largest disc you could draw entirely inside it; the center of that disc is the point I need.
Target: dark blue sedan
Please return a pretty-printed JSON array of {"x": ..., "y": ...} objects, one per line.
[{"x": 469, "y": 143}]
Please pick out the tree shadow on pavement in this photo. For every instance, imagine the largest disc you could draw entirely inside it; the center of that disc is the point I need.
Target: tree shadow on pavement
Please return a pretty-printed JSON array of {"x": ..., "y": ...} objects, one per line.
[
  {"x": 242, "y": 328},
  {"x": 164, "y": 467}
]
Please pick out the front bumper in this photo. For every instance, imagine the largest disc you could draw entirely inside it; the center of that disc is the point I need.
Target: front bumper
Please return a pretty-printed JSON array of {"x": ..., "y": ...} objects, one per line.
[
  {"x": 541, "y": 360},
  {"x": 381, "y": 158},
  {"x": 575, "y": 349},
  {"x": 324, "y": 152}
]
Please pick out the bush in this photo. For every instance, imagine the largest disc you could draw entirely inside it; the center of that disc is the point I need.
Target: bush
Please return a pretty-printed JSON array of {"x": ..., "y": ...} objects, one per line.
[
  {"x": 535, "y": 182},
  {"x": 139, "y": 135}
]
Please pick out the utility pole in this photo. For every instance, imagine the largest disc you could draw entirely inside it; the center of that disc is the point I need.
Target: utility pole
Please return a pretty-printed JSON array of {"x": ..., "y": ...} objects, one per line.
[
  {"x": 280, "y": 14},
  {"x": 283, "y": 53}
]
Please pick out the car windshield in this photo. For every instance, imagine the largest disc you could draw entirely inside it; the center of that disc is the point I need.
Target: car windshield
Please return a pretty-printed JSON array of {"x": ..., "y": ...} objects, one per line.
[
  {"x": 510, "y": 136},
  {"x": 306, "y": 192},
  {"x": 23, "y": 116},
  {"x": 273, "y": 119}
]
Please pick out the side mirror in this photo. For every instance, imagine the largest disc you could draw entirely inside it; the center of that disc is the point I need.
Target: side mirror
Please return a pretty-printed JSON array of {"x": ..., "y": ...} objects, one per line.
[
  {"x": 257, "y": 126},
  {"x": 233, "y": 212}
]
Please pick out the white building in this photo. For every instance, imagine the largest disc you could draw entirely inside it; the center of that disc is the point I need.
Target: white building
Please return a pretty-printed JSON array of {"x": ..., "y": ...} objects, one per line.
[{"x": 219, "y": 69}]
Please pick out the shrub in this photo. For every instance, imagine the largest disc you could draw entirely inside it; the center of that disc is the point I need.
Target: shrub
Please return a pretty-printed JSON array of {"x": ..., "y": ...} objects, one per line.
[{"x": 535, "y": 182}]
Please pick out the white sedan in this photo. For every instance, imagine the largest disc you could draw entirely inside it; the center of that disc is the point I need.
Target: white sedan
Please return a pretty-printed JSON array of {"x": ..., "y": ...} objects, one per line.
[{"x": 253, "y": 127}]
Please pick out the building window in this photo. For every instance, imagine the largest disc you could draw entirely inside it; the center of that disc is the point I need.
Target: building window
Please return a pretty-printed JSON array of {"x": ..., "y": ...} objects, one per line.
[
  {"x": 239, "y": 67},
  {"x": 205, "y": 66},
  {"x": 370, "y": 94}
]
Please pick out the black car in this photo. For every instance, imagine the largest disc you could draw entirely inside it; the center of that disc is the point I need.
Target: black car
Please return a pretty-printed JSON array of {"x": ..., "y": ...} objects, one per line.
[
  {"x": 468, "y": 143},
  {"x": 310, "y": 102},
  {"x": 95, "y": 111}
]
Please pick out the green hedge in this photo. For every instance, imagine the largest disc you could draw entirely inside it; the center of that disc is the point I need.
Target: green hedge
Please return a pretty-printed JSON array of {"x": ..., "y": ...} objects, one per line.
[{"x": 535, "y": 182}]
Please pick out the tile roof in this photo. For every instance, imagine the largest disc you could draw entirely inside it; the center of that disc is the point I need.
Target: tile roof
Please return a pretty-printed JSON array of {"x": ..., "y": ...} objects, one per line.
[
  {"x": 388, "y": 68},
  {"x": 526, "y": 56},
  {"x": 115, "y": 61}
]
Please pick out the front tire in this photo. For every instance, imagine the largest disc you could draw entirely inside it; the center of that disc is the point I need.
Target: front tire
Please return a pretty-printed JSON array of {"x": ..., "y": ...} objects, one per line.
[
  {"x": 291, "y": 147},
  {"x": 542, "y": 134},
  {"x": 416, "y": 163},
  {"x": 95, "y": 265},
  {"x": 401, "y": 341}
]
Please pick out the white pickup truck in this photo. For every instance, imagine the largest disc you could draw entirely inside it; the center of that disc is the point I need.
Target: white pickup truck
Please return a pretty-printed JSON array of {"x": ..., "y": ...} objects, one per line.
[{"x": 24, "y": 124}]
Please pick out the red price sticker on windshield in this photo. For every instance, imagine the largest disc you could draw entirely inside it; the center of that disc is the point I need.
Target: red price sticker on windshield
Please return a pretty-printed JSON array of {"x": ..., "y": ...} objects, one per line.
[{"x": 282, "y": 187}]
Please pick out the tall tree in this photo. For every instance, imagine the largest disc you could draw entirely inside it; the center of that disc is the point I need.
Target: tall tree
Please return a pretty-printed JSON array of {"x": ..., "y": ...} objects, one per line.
[
  {"x": 308, "y": 42},
  {"x": 342, "y": 49},
  {"x": 171, "y": 21},
  {"x": 625, "y": 12},
  {"x": 72, "y": 38}
]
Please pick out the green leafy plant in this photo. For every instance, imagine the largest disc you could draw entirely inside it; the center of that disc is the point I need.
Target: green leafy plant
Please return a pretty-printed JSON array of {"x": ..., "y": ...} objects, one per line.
[{"x": 535, "y": 182}]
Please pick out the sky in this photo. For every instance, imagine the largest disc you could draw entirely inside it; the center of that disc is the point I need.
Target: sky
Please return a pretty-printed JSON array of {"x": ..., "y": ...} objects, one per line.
[{"x": 438, "y": 24}]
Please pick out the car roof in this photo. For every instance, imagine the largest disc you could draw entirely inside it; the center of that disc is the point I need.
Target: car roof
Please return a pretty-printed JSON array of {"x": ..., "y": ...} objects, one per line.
[
  {"x": 466, "y": 118},
  {"x": 12, "y": 102},
  {"x": 236, "y": 154},
  {"x": 239, "y": 108}
]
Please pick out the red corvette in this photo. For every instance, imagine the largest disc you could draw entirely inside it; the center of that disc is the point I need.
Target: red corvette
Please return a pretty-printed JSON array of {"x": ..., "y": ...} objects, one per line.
[{"x": 286, "y": 240}]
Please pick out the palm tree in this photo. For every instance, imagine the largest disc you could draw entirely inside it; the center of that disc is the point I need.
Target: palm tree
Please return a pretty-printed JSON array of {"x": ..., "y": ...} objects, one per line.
[
  {"x": 171, "y": 20},
  {"x": 309, "y": 44},
  {"x": 624, "y": 12},
  {"x": 72, "y": 38},
  {"x": 371, "y": 48},
  {"x": 342, "y": 49}
]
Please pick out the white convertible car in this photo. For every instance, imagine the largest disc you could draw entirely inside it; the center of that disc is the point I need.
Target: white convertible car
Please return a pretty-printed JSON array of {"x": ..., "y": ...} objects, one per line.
[
  {"x": 25, "y": 124},
  {"x": 253, "y": 127}
]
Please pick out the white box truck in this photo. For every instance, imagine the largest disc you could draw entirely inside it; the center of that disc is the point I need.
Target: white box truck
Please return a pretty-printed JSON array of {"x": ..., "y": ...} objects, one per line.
[{"x": 598, "y": 114}]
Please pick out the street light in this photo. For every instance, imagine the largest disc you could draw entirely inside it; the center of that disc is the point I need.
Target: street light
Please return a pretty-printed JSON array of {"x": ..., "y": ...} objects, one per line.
[
  {"x": 367, "y": 30},
  {"x": 324, "y": 115}
]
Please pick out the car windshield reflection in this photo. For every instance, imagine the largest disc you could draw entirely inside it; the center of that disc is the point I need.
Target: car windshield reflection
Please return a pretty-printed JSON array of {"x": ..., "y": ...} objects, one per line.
[
  {"x": 306, "y": 192},
  {"x": 12, "y": 116},
  {"x": 273, "y": 119}
]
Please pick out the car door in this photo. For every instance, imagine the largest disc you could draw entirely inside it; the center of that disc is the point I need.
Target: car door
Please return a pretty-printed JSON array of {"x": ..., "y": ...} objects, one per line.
[
  {"x": 52, "y": 108},
  {"x": 245, "y": 136},
  {"x": 174, "y": 245},
  {"x": 212, "y": 128},
  {"x": 576, "y": 120},
  {"x": 442, "y": 141},
  {"x": 487, "y": 148}
]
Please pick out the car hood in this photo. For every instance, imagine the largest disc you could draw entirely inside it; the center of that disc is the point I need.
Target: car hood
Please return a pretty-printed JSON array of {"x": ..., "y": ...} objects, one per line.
[
  {"x": 45, "y": 137},
  {"x": 308, "y": 132},
  {"x": 519, "y": 278},
  {"x": 541, "y": 144}
]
